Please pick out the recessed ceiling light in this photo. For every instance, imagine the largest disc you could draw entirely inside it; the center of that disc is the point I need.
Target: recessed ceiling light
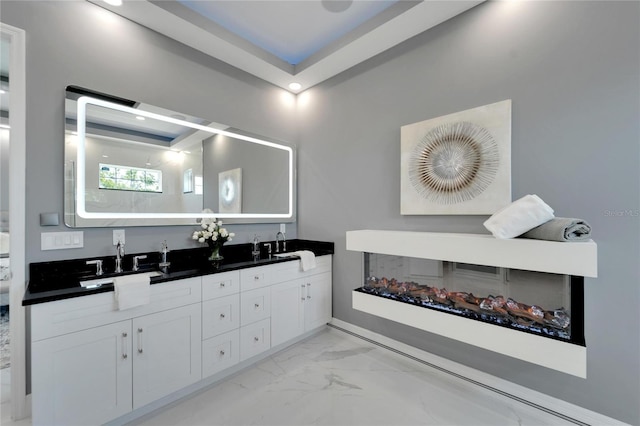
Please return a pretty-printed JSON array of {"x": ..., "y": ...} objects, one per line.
[
  {"x": 139, "y": 117},
  {"x": 295, "y": 86},
  {"x": 336, "y": 6},
  {"x": 114, "y": 2}
]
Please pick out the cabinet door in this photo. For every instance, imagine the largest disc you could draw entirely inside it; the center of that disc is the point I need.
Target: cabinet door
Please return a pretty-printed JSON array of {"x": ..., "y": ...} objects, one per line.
[
  {"x": 167, "y": 353},
  {"x": 82, "y": 378},
  {"x": 287, "y": 311},
  {"x": 318, "y": 300}
]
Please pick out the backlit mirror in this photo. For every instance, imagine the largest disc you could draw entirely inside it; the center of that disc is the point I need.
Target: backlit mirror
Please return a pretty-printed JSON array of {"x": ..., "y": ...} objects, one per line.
[{"x": 132, "y": 164}]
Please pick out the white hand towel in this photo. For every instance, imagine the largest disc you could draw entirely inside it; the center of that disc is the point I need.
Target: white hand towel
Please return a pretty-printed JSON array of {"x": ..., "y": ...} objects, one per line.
[
  {"x": 132, "y": 290},
  {"x": 307, "y": 259},
  {"x": 519, "y": 217}
]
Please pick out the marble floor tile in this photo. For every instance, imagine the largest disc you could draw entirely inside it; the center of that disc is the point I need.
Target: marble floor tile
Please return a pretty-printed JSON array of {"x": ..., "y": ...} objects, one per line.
[{"x": 334, "y": 378}]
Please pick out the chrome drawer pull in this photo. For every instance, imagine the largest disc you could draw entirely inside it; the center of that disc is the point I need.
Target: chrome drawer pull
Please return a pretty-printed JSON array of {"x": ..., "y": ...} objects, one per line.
[
  {"x": 222, "y": 284},
  {"x": 221, "y": 316},
  {"x": 221, "y": 353},
  {"x": 257, "y": 339},
  {"x": 140, "y": 340},
  {"x": 124, "y": 346}
]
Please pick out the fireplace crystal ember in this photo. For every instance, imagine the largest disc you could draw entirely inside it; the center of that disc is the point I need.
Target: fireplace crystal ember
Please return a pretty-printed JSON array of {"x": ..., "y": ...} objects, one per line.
[{"x": 532, "y": 302}]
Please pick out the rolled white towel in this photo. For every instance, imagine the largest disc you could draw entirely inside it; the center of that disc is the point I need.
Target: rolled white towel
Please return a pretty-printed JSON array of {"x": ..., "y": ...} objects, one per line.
[
  {"x": 519, "y": 217},
  {"x": 132, "y": 290}
]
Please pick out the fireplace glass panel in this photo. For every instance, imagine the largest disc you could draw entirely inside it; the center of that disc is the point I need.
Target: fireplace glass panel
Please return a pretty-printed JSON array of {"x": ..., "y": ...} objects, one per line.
[{"x": 549, "y": 305}]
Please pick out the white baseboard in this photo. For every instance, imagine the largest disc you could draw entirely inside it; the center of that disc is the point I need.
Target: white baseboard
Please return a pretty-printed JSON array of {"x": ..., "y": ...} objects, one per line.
[{"x": 548, "y": 402}]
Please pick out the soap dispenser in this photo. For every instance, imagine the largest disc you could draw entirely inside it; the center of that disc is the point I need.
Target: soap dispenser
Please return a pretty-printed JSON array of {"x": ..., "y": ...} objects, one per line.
[{"x": 164, "y": 264}]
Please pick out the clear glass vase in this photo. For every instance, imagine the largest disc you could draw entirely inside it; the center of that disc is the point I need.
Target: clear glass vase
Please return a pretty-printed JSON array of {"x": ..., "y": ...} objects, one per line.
[{"x": 215, "y": 259}]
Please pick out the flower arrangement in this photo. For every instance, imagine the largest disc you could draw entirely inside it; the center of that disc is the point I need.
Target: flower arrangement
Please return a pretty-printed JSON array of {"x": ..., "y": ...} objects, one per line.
[{"x": 213, "y": 234}]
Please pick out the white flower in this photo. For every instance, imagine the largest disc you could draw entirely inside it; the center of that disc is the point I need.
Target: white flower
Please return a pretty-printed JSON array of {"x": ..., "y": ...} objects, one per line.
[
  {"x": 201, "y": 240},
  {"x": 231, "y": 234},
  {"x": 204, "y": 225}
]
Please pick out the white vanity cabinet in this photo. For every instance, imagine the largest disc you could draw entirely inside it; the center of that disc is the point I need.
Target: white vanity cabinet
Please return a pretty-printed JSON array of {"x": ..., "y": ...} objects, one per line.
[
  {"x": 302, "y": 303},
  {"x": 92, "y": 363}
]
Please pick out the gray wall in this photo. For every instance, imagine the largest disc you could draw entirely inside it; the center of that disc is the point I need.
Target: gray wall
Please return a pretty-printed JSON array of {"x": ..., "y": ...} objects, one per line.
[
  {"x": 572, "y": 70},
  {"x": 79, "y": 43}
]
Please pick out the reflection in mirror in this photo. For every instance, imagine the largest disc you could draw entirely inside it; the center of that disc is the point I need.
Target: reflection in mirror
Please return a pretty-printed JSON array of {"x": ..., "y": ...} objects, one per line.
[{"x": 130, "y": 164}]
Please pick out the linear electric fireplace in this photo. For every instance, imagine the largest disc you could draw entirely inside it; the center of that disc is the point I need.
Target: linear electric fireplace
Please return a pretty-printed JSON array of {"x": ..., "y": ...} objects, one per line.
[{"x": 522, "y": 298}]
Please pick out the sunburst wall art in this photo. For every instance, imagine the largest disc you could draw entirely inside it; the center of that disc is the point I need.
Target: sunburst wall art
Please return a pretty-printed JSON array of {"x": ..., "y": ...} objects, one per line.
[{"x": 458, "y": 163}]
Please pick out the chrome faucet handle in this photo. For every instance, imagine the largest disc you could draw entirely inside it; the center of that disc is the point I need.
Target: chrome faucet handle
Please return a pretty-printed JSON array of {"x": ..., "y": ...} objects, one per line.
[
  {"x": 98, "y": 263},
  {"x": 136, "y": 266}
]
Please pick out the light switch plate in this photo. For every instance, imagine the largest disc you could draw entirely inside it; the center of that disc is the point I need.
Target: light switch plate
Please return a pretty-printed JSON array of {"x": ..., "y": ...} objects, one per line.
[
  {"x": 118, "y": 235},
  {"x": 61, "y": 240}
]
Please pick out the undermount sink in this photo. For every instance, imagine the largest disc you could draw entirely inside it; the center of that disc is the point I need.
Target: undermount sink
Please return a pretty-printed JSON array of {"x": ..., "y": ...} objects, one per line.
[
  {"x": 98, "y": 282},
  {"x": 289, "y": 254}
]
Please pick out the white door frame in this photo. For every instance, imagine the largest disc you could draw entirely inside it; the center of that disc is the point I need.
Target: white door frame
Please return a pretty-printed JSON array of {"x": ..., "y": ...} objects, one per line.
[{"x": 20, "y": 403}]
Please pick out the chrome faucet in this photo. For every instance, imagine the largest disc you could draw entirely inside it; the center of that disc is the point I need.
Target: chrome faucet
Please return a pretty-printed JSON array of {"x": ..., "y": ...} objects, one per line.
[
  {"x": 284, "y": 242},
  {"x": 119, "y": 255},
  {"x": 136, "y": 266},
  {"x": 256, "y": 248}
]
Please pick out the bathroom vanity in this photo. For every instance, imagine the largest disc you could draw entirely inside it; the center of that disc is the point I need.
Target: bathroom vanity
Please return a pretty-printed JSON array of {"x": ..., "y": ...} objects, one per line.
[{"x": 93, "y": 363}]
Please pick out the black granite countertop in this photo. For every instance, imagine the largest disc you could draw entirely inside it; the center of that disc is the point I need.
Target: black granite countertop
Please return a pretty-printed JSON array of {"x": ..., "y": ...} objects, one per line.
[{"x": 57, "y": 280}]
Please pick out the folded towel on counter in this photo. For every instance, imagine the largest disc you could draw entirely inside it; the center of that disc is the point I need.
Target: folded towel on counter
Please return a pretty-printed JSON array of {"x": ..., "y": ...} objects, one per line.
[
  {"x": 307, "y": 259},
  {"x": 132, "y": 290},
  {"x": 560, "y": 229},
  {"x": 519, "y": 217}
]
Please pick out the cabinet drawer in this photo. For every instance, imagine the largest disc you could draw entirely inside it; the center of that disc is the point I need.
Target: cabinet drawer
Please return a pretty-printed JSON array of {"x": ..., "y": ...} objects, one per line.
[
  {"x": 255, "y": 305},
  {"x": 253, "y": 278},
  {"x": 220, "y": 352},
  {"x": 220, "y": 315},
  {"x": 255, "y": 338},
  {"x": 218, "y": 285},
  {"x": 292, "y": 270},
  {"x": 80, "y": 313}
]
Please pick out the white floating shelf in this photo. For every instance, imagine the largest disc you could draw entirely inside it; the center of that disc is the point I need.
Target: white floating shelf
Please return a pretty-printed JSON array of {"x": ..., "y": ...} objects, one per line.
[
  {"x": 571, "y": 258},
  {"x": 565, "y": 357}
]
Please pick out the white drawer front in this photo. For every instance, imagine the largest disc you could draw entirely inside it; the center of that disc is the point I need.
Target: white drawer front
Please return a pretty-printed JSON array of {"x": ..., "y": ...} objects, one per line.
[
  {"x": 220, "y": 352},
  {"x": 219, "y": 285},
  {"x": 253, "y": 278},
  {"x": 255, "y": 338},
  {"x": 220, "y": 315},
  {"x": 80, "y": 313},
  {"x": 255, "y": 305},
  {"x": 292, "y": 270}
]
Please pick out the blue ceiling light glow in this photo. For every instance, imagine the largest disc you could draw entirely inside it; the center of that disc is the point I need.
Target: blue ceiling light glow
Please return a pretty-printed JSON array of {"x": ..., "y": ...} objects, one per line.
[{"x": 284, "y": 28}]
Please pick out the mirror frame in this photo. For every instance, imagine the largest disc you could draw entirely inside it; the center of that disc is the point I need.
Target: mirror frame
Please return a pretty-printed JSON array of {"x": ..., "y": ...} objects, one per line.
[{"x": 160, "y": 219}]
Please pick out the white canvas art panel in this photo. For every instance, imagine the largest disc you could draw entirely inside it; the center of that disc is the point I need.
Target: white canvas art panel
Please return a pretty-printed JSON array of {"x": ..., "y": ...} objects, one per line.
[
  {"x": 458, "y": 163},
  {"x": 230, "y": 191}
]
